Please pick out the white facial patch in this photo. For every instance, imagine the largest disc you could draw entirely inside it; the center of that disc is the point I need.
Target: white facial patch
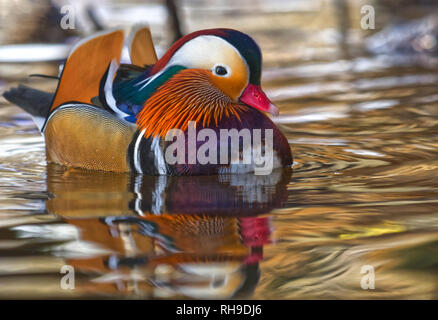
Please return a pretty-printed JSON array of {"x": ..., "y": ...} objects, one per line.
[{"x": 207, "y": 52}]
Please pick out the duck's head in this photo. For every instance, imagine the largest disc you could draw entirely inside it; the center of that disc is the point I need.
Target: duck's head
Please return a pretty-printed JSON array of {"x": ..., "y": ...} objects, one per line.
[
  {"x": 206, "y": 76},
  {"x": 232, "y": 59}
]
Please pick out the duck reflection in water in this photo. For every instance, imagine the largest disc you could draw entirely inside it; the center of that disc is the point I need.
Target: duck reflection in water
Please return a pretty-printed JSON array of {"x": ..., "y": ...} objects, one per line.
[{"x": 167, "y": 237}]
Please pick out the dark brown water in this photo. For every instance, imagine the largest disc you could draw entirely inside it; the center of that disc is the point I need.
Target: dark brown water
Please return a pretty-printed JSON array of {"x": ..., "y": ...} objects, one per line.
[{"x": 363, "y": 192}]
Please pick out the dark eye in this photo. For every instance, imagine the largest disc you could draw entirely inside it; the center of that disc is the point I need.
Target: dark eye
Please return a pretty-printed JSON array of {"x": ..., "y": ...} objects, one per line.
[{"x": 220, "y": 71}]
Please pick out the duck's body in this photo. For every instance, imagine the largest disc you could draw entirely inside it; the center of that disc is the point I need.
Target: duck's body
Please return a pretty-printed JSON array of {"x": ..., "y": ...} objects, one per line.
[{"x": 111, "y": 118}]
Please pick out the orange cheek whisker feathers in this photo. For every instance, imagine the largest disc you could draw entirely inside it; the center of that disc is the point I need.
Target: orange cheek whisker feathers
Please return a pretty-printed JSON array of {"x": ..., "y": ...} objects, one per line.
[{"x": 188, "y": 96}]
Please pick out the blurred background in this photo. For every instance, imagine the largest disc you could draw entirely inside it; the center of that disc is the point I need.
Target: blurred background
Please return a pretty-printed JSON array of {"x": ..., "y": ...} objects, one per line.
[{"x": 357, "y": 86}]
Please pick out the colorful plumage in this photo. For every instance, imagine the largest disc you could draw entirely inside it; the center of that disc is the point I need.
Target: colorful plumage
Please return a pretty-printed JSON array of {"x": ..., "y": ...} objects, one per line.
[{"x": 111, "y": 117}]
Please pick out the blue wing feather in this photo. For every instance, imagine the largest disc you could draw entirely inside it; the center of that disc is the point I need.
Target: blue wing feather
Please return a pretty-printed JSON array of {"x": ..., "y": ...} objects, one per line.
[{"x": 131, "y": 94}]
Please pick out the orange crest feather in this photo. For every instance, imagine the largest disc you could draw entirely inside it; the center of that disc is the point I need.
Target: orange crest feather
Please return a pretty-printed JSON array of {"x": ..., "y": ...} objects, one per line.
[{"x": 188, "y": 96}]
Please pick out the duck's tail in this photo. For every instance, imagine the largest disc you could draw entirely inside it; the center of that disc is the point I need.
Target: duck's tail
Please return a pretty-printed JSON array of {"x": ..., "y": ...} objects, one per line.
[{"x": 35, "y": 102}]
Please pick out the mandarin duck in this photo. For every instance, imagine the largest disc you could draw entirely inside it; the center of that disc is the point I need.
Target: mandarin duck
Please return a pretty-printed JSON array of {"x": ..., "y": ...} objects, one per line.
[{"x": 115, "y": 117}]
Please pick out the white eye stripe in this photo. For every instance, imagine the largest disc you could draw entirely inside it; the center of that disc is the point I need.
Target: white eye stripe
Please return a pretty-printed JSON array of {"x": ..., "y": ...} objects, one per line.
[{"x": 206, "y": 52}]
